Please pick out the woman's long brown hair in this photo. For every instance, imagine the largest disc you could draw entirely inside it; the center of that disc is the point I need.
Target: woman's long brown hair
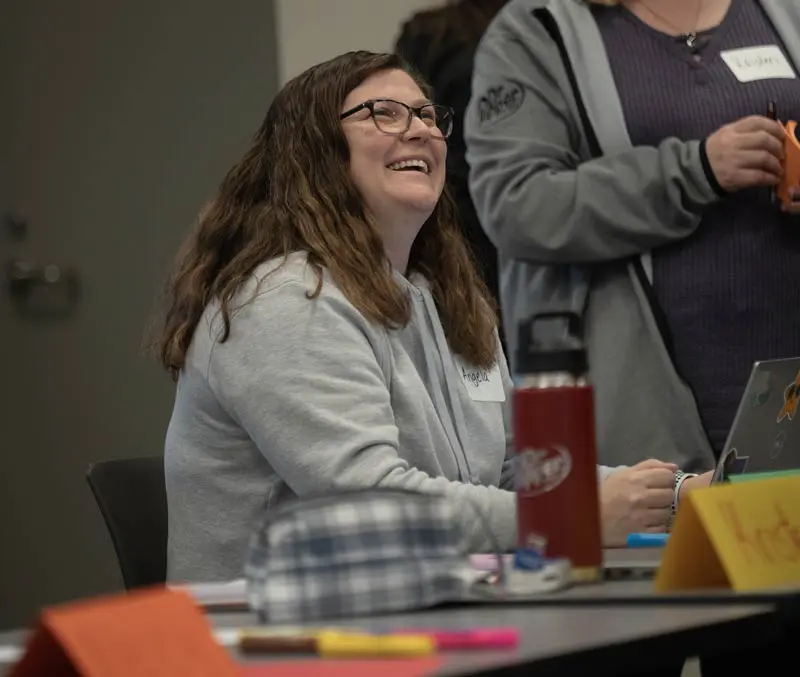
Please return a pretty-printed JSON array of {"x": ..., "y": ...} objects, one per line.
[{"x": 292, "y": 191}]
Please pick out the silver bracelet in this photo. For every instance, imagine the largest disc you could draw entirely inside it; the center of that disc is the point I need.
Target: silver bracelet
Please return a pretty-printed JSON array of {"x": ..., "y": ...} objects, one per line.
[{"x": 680, "y": 478}]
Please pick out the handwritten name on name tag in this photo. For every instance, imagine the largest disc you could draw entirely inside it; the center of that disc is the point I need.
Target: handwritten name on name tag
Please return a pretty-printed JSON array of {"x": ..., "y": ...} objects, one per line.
[
  {"x": 766, "y": 62},
  {"x": 483, "y": 385}
]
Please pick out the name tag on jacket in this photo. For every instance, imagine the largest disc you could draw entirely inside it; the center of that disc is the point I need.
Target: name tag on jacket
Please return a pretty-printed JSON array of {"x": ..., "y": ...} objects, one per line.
[
  {"x": 765, "y": 62},
  {"x": 483, "y": 385}
]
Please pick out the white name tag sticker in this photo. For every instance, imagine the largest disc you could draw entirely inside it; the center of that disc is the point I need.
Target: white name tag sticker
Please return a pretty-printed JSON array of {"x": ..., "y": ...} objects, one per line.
[
  {"x": 483, "y": 385},
  {"x": 766, "y": 62}
]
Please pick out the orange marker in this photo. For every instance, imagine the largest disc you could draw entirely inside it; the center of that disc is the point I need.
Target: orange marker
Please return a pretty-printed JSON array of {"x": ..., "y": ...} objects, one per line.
[{"x": 791, "y": 162}]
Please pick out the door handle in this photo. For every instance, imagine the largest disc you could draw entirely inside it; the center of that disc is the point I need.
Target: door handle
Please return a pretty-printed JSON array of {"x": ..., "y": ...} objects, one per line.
[{"x": 23, "y": 277}]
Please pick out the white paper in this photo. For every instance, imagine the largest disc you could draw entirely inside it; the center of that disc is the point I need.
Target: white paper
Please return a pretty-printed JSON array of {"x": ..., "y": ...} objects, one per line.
[
  {"x": 10, "y": 654},
  {"x": 210, "y": 595},
  {"x": 227, "y": 636}
]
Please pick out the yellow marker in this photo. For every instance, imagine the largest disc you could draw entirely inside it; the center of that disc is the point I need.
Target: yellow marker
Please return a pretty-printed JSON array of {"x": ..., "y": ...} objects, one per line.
[{"x": 331, "y": 644}]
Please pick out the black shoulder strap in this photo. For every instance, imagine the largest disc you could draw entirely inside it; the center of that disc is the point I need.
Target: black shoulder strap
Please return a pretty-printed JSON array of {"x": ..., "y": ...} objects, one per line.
[{"x": 549, "y": 24}]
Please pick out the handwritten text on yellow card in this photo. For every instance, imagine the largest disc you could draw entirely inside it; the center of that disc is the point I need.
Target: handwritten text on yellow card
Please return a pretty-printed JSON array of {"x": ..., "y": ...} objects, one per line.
[{"x": 751, "y": 532}]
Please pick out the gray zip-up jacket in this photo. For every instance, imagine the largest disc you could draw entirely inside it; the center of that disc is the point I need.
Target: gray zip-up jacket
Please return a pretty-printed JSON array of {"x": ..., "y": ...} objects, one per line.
[
  {"x": 309, "y": 397},
  {"x": 574, "y": 210}
]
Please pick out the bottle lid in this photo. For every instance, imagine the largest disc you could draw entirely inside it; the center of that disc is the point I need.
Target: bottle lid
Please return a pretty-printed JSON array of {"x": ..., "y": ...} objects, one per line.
[{"x": 543, "y": 348}]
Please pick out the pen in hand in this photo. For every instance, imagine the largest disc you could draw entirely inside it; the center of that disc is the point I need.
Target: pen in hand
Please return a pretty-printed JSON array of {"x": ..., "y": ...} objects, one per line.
[{"x": 772, "y": 111}]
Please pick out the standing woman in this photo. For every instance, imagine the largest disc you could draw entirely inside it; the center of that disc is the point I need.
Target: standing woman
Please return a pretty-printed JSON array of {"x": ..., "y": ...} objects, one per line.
[{"x": 622, "y": 160}]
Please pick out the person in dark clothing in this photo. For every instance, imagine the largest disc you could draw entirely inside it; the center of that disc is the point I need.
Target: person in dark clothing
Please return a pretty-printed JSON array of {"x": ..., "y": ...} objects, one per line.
[{"x": 440, "y": 43}]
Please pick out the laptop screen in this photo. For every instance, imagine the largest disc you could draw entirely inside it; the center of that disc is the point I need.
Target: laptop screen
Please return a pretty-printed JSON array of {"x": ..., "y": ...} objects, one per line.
[{"x": 764, "y": 436}]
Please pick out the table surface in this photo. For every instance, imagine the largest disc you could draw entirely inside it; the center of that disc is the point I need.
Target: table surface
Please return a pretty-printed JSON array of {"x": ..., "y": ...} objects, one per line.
[
  {"x": 584, "y": 627},
  {"x": 586, "y": 636},
  {"x": 642, "y": 593},
  {"x": 554, "y": 639}
]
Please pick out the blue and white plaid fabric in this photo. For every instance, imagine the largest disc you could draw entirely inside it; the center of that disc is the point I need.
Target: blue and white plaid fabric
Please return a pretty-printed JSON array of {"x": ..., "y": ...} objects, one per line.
[{"x": 356, "y": 554}]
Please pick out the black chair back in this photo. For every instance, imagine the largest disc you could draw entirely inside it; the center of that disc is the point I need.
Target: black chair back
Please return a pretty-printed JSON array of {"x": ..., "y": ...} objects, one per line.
[{"x": 132, "y": 498}]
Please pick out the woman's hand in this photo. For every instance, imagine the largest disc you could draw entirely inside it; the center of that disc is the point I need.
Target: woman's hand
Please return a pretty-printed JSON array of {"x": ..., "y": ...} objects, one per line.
[
  {"x": 637, "y": 499},
  {"x": 747, "y": 153}
]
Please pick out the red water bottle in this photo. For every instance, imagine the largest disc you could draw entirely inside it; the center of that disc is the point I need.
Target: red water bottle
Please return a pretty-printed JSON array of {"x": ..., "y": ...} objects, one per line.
[{"x": 558, "y": 512}]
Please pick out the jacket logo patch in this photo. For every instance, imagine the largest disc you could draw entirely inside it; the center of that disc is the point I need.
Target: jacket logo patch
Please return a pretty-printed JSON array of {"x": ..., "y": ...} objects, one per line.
[{"x": 500, "y": 102}]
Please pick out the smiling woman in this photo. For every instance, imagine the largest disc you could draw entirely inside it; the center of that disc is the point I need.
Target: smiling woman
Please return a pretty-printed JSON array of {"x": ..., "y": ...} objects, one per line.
[
  {"x": 310, "y": 183},
  {"x": 397, "y": 163},
  {"x": 329, "y": 331},
  {"x": 316, "y": 318}
]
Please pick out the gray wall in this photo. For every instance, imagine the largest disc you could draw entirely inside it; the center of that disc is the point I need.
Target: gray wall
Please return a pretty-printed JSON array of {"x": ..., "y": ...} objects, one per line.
[
  {"x": 117, "y": 120},
  {"x": 338, "y": 26}
]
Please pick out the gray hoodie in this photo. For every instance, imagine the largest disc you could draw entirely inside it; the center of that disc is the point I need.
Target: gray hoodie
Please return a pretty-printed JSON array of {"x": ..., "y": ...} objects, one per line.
[{"x": 308, "y": 397}]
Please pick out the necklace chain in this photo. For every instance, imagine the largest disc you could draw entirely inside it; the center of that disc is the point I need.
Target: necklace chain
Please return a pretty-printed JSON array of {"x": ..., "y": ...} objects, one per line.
[{"x": 690, "y": 37}]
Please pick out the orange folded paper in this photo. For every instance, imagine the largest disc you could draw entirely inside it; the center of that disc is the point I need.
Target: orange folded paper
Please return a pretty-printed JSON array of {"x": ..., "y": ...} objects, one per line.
[{"x": 154, "y": 632}]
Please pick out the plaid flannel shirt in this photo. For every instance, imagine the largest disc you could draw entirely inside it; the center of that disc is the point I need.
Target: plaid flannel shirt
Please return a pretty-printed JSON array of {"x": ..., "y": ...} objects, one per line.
[{"x": 356, "y": 554}]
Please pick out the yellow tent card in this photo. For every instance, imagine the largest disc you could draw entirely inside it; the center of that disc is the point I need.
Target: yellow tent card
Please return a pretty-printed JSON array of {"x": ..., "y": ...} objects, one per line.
[{"x": 743, "y": 536}]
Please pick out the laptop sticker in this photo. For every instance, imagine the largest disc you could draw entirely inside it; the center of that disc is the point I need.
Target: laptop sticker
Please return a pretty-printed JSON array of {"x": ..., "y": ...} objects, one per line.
[
  {"x": 777, "y": 445},
  {"x": 734, "y": 464},
  {"x": 762, "y": 387},
  {"x": 791, "y": 398}
]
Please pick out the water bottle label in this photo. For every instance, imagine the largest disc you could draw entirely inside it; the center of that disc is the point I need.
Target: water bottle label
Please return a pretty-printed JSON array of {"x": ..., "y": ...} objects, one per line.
[{"x": 539, "y": 470}]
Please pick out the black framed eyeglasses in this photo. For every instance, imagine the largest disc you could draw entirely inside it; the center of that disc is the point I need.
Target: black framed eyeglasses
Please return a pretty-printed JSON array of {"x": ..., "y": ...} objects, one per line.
[{"x": 394, "y": 117}]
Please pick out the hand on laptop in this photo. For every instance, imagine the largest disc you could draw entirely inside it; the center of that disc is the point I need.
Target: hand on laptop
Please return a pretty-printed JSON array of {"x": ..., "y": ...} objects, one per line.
[{"x": 637, "y": 499}]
